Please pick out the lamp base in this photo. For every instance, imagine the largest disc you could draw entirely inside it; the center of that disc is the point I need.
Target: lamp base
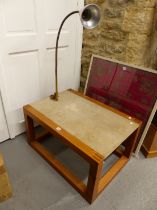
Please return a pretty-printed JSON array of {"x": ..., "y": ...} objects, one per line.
[{"x": 54, "y": 97}]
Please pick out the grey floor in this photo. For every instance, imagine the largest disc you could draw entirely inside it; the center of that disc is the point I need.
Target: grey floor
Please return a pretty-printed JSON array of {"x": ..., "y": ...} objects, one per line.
[{"x": 37, "y": 186}]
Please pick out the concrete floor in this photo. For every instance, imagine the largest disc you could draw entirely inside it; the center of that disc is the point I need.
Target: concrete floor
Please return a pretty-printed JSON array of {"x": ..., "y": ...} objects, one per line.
[{"x": 37, "y": 186}]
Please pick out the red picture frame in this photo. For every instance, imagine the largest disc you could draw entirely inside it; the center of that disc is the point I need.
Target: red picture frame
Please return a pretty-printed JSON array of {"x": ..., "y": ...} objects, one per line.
[{"x": 130, "y": 89}]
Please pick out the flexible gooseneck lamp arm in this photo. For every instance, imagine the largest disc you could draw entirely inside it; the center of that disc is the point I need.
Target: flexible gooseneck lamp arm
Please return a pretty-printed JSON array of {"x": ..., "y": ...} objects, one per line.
[
  {"x": 55, "y": 96},
  {"x": 90, "y": 16}
]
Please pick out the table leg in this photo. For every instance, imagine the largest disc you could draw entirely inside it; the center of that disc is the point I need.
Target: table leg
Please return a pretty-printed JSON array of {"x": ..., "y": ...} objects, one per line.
[
  {"x": 93, "y": 181},
  {"x": 130, "y": 144},
  {"x": 29, "y": 128}
]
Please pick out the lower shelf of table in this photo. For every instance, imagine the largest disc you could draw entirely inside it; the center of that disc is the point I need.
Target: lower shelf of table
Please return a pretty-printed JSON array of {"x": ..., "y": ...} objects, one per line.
[{"x": 73, "y": 179}]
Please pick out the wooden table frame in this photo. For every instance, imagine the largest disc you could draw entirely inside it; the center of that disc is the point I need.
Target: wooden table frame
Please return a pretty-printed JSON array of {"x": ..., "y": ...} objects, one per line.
[{"x": 95, "y": 183}]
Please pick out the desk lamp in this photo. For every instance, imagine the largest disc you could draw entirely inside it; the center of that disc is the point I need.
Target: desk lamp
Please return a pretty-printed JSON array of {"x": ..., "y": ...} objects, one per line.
[{"x": 90, "y": 17}]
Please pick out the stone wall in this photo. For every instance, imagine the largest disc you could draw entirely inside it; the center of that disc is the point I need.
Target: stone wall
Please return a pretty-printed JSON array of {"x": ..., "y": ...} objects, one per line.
[
  {"x": 124, "y": 33},
  {"x": 151, "y": 56}
]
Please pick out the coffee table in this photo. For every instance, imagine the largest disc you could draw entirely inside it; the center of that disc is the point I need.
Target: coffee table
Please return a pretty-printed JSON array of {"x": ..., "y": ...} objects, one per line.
[{"x": 88, "y": 127}]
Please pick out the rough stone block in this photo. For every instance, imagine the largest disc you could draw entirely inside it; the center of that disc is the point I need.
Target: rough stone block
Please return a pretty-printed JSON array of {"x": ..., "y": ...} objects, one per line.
[
  {"x": 137, "y": 20},
  {"x": 112, "y": 25},
  {"x": 145, "y": 3},
  {"x": 96, "y": 1},
  {"x": 114, "y": 48},
  {"x": 116, "y": 35},
  {"x": 136, "y": 48},
  {"x": 113, "y": 12},
  {"x": 120, "y": 2}
]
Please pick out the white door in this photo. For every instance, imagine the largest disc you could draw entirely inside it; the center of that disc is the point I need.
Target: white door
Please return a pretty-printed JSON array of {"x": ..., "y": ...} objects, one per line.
[
  {"x": 27, "y": 45},
  {"x": 4, "y": 134}
]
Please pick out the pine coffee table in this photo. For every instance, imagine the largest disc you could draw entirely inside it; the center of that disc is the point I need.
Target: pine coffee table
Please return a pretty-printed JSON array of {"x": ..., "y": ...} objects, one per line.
[{"x": 88, "y": 127}]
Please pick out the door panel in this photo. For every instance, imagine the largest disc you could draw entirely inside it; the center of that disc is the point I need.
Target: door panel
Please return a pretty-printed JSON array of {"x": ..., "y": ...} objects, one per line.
[
  {"x": 27, "y": 36},
  {"x": 26, "y": 84},
  {"x": 57, "y": 11},
  {"x": 19, "y": 16}
]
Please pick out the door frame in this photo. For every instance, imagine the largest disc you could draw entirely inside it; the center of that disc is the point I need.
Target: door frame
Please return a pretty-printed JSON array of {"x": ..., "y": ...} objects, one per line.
[
  {"x": 78, "y": 44},
  {"x": 3, "y": 99}
]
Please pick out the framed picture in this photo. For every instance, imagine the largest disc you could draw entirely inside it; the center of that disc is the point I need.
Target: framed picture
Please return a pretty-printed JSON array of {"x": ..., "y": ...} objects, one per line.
[{"x": 128, "y": 88}]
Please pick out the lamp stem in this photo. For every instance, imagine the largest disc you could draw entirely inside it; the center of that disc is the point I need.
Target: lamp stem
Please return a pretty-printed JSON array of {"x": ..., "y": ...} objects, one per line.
[{"x": 55, "y": 96}]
